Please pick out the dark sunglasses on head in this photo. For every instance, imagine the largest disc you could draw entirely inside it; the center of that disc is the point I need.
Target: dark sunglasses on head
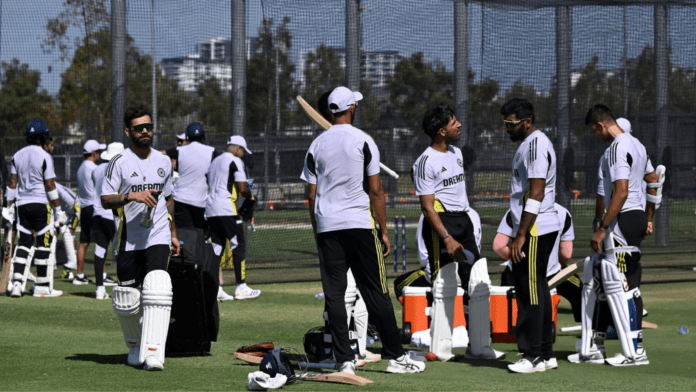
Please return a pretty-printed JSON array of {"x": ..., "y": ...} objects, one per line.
[{"x": 143, "y": 127}]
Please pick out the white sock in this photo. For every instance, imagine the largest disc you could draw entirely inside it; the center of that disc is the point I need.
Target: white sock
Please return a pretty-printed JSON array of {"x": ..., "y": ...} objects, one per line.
[
  {"x": 100, "y": 289},
  {"x": 104, "y": 275},
  {"x": 81, "y": 276}
]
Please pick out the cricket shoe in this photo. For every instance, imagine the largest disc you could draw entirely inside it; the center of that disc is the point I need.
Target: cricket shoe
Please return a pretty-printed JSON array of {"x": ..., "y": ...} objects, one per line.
[
  {"x": 246, "y": 292},
  {"x": 223, "y": 296},
  {"x": 621, "y": 360},
  {"x": 16, "y": 291},
  {"x": 46, "y": 292},
  {"x": 406, "y": 365},
  {"x": 596, "y": 356},
  {"x": 347, "y": 367},
  {"x": 67, "y": 275},
  {"x": 102, "y": 294},
  {"x": 80, "y": 281},
  {"x": 109, "y": 281},
  {"x": 134, "y": 356},
  {"x": 551, "y": 363},
  {"x": 153, "y": 364},
  {"x": 524, "y": 365}
]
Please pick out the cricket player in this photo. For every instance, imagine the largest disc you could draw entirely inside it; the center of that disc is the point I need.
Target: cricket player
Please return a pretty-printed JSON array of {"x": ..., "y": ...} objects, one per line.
[
  {"x": 535, "y": 227},
  {"x": 450, "y": 238},
  {"x": 625, "y": 171},
  {"x": 346, "y": 198},
  {"x": 562, "y": 252},
  {"x": 226, "y": 181},
  {"x": 32, "y": 187},
  {"x": 85, "y": 185},
  {"x": 103, "y": 228},
  {"x": 138, "y": 185}
]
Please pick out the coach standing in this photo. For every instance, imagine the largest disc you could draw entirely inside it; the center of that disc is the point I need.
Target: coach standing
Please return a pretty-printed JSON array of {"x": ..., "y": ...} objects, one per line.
[
  {"x": 535, "y": 224},
  {"x": 342, "y": 169}
]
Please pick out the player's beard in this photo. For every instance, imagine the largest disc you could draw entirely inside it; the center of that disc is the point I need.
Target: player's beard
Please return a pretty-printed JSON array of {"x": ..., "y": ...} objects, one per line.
[
  {"x": 140, "y": 143},
  {"x": 518, "y": 135}
]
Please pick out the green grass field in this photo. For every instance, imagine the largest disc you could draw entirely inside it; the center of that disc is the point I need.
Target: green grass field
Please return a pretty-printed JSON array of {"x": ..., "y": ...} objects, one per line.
[{"x": 74, "y": 342}]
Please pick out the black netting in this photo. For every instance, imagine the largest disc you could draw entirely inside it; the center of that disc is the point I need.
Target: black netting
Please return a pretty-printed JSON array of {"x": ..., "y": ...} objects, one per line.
[{"x": 562, "y": 57}]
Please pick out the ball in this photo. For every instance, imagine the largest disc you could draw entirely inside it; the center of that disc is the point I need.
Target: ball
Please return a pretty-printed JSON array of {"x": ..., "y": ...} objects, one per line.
[{"x": 430, "y": 357}]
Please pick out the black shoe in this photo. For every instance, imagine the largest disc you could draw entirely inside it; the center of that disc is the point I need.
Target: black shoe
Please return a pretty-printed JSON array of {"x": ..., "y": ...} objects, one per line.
[
  {"x": 80, "y": 281},
  {"x": 108, "y": 281}
]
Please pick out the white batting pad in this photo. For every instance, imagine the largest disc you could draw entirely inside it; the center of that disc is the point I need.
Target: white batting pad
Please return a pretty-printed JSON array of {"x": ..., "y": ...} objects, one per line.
[
  {"x": 360, "y": 317},
  {"x": 615, "y": 287},
  {"x": 157, "y": 307},
  {"x": 444, "y": 293},
  {"x": 479, "y": 325},
  {"x": 126, "y": 303},
  {"x": 69, "y": 242},
  {"x": 589, "y": 300}
]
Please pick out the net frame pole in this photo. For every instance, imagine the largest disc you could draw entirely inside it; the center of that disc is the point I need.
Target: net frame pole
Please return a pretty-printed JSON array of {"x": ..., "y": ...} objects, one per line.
[
  {"x": 661, "y": 54},
  {"x": 239, "y": 71},
  {"x": 155, "y": 136},
  {"x": 118, "y": 68},
  {"x": 353, "y": 51},
  {"x": 461, "y": 67},
  {"x": 563, "y": 60}
]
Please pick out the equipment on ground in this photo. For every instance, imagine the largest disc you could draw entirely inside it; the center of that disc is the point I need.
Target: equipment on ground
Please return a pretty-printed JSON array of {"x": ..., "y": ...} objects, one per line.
[{"x": 479, "y": 326}]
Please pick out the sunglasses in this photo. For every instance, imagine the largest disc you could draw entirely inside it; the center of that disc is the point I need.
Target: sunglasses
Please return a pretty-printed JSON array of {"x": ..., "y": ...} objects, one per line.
[
  {"x": 143, "y": 127},
  {"x": 513, "y": 124}
]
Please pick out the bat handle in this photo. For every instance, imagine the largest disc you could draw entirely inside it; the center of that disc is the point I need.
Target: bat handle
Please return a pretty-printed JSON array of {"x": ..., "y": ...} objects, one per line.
[{"x": 389, "y": 171}]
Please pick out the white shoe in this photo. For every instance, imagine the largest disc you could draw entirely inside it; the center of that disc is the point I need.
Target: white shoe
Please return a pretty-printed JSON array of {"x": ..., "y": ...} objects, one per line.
[
  {"x": 77, "y": 281},
  {"x": 102, "y": 294},
  {"x": 152, "y": 363},
  {"x": 621, "y": 360},
  {"x": 109, "y": 281},
  {"x": 223, "y": 296},
  {"x": 16, "y": 291},
  {"x": 524, "y": 365},
  {"x": 46, "y": 292},
  {"x": 70, "y": 265},
  {"x": 407, "y": 365},
  {"x": 347, "y": 367},
  {"x": 134, "y": 356},
  {"x": 597, "y": 355},
  {"x": 551, "y": 363},
  {"x": 260, "y": 381},
  {"x": 246, "y": 292}
]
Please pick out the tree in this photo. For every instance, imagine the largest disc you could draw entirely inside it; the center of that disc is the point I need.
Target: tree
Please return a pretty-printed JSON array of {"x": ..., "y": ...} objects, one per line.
[
  {"x": 215, "y": 106},
  {"x": 89, "y": 15},
  {"x": 322, "y": 73},
  {"x": 21, "y": 100},
  {"x": 272, "y": 56}
]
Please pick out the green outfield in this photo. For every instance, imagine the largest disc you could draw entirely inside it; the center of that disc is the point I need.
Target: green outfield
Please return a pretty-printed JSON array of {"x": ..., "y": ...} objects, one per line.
[{"x": 74, "y": 342}]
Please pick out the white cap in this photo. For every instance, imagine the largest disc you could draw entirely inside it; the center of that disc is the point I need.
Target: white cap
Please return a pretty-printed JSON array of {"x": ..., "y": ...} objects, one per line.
[
  {"x": 624, "y": 124},
  {"x": 92, "y": 146},
  {"x": 181, "y": 136},
  {"x": 238, "y": 141},
  {"x": 342, "y": 98},
  {"x": 112, "y": 150}
]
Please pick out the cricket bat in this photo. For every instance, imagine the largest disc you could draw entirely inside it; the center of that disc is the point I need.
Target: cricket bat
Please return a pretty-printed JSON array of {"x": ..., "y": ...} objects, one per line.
[
  {"x": 324, "y": 123},
  {"x": 563, "y": 275},
  {"x": 7, "y": 259},
  {"x": 340, "y": 378}
]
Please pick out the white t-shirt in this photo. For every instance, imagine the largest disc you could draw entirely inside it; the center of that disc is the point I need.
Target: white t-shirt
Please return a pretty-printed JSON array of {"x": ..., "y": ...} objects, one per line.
[
  {"x": 339, "y": 162},
  {"x": 442, "y": 174},
  {"x": 625, "y": 159},
  {"x": 222, "y": 175},
  {"x": 67, "y": 198},
  {"x": 127, "y": 172},
  {"x": 98, "y": 178},
  {"x": 85, "y": 184},
  {"x": 567, "y": 233},
  {"x": 535, "y": 158},
  {"x": 193, "y": 163},
  {"x": 33, "y": 166}
]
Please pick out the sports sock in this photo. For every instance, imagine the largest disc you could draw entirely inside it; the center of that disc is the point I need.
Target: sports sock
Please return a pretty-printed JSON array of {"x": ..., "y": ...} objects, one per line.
[{"x": 81, "y": 276}]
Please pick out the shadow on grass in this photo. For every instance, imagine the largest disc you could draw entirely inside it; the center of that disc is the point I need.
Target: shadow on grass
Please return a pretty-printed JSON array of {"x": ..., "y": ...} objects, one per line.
[
  {"x": 491, "y": 363},
  {"x": 110, "y": 359},
  {"x": 83, "y": 294}
]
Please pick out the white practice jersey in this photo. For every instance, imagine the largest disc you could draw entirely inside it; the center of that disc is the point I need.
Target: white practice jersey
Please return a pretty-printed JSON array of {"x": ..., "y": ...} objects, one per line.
[
  {"x": 98, "y": 178},
  {"x": 85, "y": 184},
  {"x": 193, "y": 162},
  {"x": 222, "y": 175},
  {"x": 127, "y": 172},
  {"x": 442, "y": 174},
  {"x": 33, "y": 166},
  {"x": 567, "y": 233},
  {"x": 535, "y": 158},
  {"x": 625, "y": 159},
  {"x": 67, "y": 198},
  {"x": 339, "y": 162}
]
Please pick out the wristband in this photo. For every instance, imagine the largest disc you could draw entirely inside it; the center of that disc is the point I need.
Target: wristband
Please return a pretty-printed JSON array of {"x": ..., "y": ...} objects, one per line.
[
  {"x": 127, "y": 196},
  {"x": 532, "y": 206},
  {"x": 446, "y": 235},
  {"x": 53, "y": 195},
  {"x": 11, "y": 194}
]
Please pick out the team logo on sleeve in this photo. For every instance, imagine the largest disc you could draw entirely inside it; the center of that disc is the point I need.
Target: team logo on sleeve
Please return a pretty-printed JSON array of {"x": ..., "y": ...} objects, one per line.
[{"x": 160, "y": 172}]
